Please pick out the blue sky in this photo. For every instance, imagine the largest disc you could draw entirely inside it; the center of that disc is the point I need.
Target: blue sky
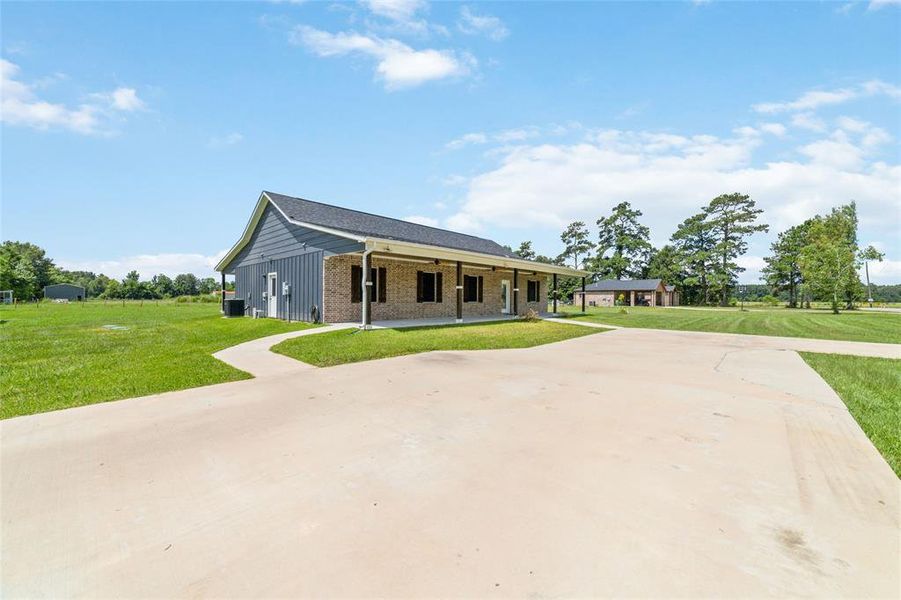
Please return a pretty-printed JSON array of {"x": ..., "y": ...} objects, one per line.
[{"x": 140, "y": 134}]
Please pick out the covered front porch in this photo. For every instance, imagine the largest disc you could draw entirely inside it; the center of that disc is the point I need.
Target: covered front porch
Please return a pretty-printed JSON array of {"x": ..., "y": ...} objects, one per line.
[{"x": 400, "y": 284}]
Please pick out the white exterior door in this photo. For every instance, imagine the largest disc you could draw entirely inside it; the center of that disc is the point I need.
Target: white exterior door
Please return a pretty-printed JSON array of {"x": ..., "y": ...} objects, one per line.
[
  {"x": 506, "y": 296},
  {"x": 272, "y": 295}
]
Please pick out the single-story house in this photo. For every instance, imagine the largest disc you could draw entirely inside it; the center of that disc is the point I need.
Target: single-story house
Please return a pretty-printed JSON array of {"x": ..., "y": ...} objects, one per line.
[
  {"x": 629, "y": 292},
  {"x": 308, "y": 261},
  {"x": 64, "y": 291}
]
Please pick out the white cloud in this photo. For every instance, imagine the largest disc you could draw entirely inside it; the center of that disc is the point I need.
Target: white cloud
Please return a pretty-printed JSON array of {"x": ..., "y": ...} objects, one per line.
[
  {"x": 148, "y": 265},
  {"x": 403, "y": 15},
  {"x": 746, "y": 131},
  {"x": 397, "y": 10},
  {"x": 845, "y": 8},
  {"x": 669, "y": 176},
  {"x": 126, "y": 99},
  {"x": 808, "y": 121},
  {"x": 397, "y": 64},
  {"x": 814, "y": 99},
  {"x": 838, "y": 152},
  {"x": 808, "y": 101},
  {"x": 226, "y": 140},
  {"x": 879, "y": 4},
  {"x": 454, "y": 180},
  {"x": 421, "y": 220},
  {"x": 870, "y": 135},
  {"x": 467, "y": 140},
  {"x": 516, "y": 135},
  {"x": 487, "y": 25},
  {"x": 886, "y": 272},
  {"x": 851, "y": 124},
  {"x": 752, "y": 265},
  {"x": 777, "y": 129},
  {"x": 505, "y": 137},
  {"x": 21, "y": 105}
]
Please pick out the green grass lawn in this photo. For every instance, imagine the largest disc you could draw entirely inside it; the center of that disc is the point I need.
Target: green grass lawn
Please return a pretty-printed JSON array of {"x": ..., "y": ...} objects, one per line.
[
  {"x": 347, "y": 346},
  {"x": 871, "y": 389},
  {"x": 60, "y": 355},
  {"x": 858, "y": 326}
]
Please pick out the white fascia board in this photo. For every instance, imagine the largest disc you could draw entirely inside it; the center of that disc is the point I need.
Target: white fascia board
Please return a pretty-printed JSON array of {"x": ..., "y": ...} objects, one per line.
[
  {"x": 477, "y": 258},
  {"x": 248, "y": 232}
]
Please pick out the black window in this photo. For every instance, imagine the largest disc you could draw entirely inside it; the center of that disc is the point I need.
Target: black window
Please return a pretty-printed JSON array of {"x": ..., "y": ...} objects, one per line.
[
  {"x": 534, "y": 291},
  {"x": 379, "y": 278},
  {"x": 428, "y": 286},
  {"x": 472, "y": 288},
  {"x": 356, "y": 276}
]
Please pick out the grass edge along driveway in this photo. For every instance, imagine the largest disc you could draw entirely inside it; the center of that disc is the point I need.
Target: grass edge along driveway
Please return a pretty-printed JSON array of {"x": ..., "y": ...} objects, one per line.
[
  {"x": 57, "y": 356},
  {"x": 351, "y": 345},
  {"x": 871, "y": 389},
  {"x": 851, "y": 326}
]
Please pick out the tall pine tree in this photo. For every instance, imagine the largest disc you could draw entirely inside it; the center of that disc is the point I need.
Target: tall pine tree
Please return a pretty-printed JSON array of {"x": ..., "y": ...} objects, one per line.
[
  {"x": 623, "y": 247},
  {"x": 732, "y": 219}
]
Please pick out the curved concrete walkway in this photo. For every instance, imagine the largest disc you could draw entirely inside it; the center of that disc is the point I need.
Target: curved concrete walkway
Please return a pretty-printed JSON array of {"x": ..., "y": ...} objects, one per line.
[
  {"x": 758, "y": 341},
  {"x": 255, "y": 358}
]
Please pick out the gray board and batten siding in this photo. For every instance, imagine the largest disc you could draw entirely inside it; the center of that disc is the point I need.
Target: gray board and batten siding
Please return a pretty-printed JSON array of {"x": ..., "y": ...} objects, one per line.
[{"x": 296, "y": 254}]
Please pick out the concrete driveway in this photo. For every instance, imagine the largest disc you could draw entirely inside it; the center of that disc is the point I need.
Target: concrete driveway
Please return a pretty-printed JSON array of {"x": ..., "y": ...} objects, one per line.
[{"x": 629, "y": 463}]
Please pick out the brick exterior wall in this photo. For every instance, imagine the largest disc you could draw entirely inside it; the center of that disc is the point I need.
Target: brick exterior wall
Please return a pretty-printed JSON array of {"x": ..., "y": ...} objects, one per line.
[{"x": 401, "y": 291}]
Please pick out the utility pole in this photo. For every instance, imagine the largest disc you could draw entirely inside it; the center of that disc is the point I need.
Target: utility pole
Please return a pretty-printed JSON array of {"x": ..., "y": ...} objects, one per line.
[{"x": 866, "y": 266}]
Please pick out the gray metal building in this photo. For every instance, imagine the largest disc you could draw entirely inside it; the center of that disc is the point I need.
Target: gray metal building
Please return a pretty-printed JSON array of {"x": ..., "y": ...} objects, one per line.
[
  {"x": 280, "y": 263},
  {"x": 64, "y": 291}
]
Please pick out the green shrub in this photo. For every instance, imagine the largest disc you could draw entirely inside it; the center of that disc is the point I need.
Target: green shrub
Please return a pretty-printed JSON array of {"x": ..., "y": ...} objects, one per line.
[{"x": 770, "y": 300}]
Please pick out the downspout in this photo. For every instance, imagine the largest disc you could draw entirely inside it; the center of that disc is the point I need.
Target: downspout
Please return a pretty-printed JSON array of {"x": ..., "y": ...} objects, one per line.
[{"x": 366, "y": 289}]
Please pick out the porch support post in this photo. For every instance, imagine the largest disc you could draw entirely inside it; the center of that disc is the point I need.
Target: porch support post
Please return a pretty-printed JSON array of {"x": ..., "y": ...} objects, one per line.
[
  {"x": 515, "y": 291},
  {"x": 583, "y": 294},
  {"x": 632, "y": 298},
  {"x": 555, "y": 292},
  {"x": 367, "y": 292},
  {"x": 222, "y": 292},
  {"x": 459, "y": 292}
]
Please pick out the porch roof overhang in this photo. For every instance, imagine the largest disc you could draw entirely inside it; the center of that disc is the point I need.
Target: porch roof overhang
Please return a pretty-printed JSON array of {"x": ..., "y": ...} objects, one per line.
[
  {"x": 398, "y": 248},
  {"x": 422, "y": 251}
]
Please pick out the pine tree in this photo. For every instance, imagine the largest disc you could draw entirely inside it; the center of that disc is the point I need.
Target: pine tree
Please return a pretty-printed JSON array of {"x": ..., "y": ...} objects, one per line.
[
  {"x": 575, "y": 241},
  {"x": 783, "y": 268},
  {"x": 732, "y": 219},
  {"x": 626, "y": 239},
  {"x": 694, "y": 245}
]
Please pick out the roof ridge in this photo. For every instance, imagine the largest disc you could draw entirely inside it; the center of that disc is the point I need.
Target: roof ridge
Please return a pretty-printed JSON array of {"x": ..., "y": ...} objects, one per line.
[{"x": 363, "y": 212}]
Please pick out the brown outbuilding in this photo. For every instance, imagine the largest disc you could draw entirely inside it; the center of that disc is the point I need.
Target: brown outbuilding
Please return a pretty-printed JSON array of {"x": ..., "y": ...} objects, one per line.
[{"x": 628, "y": 292}]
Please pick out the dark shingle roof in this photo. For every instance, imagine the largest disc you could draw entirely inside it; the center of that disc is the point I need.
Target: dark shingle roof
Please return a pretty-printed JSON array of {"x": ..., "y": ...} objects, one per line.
[
  {"x": 365, "y": 224},
  {"x": 624, "y": 285}
]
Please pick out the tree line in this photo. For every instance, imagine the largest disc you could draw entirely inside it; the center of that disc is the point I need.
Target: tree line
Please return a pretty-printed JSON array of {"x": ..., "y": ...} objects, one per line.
[
  {"x": 26, "y": 269},
  {"x": 820, "y": 256}
]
